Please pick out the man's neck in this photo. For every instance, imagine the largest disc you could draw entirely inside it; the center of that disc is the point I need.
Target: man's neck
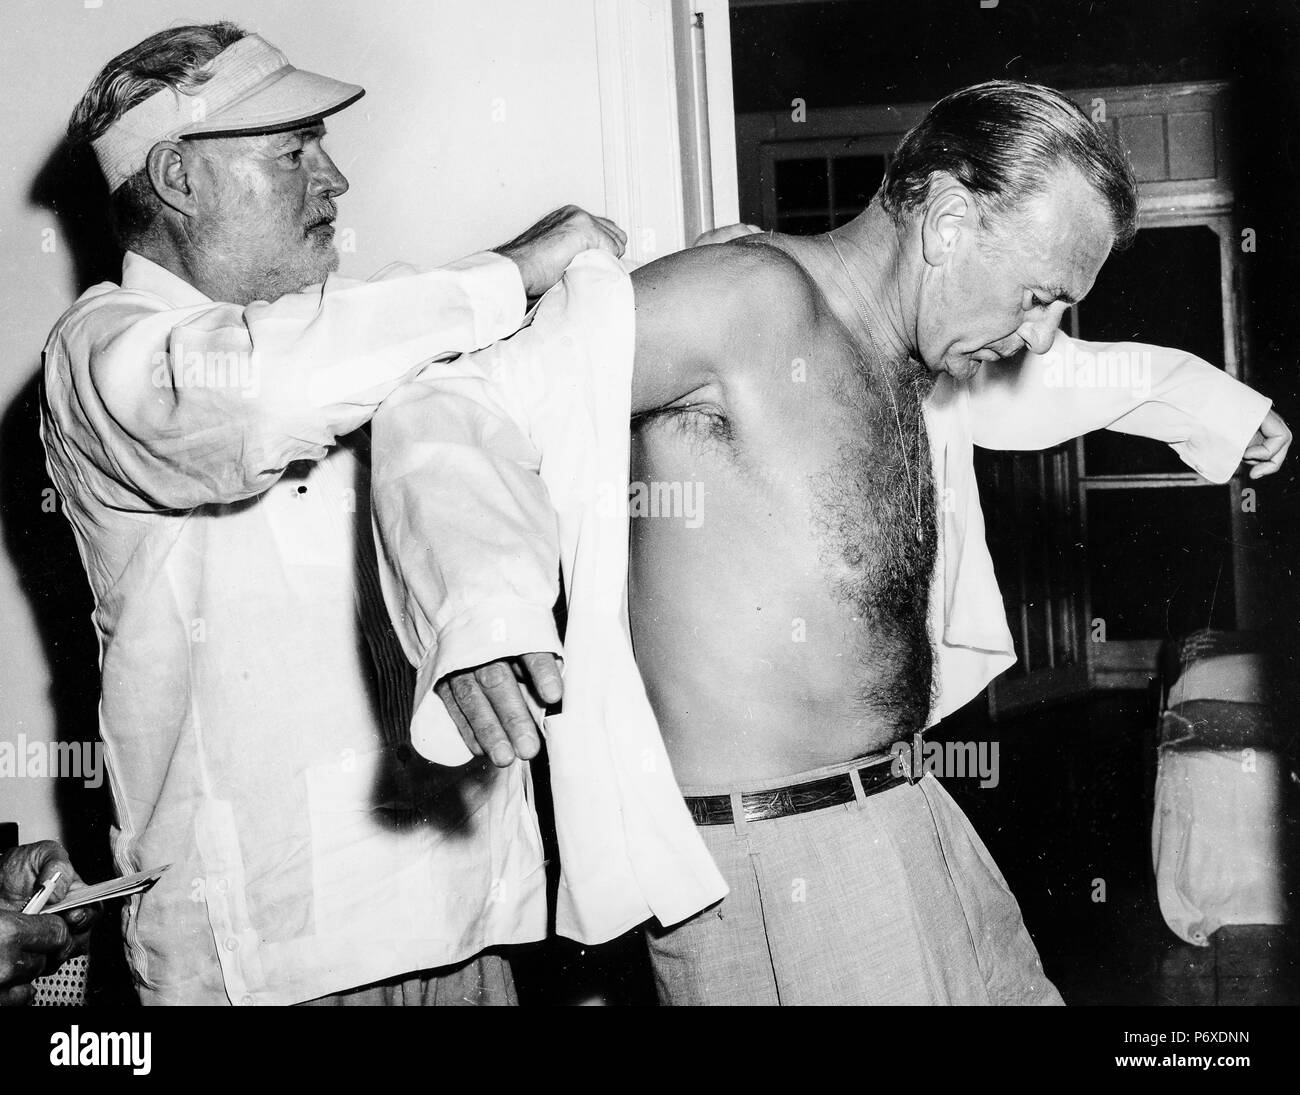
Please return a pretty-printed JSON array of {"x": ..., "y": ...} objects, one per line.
[
  {"x": 864, "y": 262},
  {"x": 188, "y": 272},
  {"x": 177, "y": 254}
]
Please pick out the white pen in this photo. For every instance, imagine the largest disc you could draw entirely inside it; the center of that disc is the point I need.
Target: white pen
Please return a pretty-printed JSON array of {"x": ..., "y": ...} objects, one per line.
[{"x": 41, "y": 896}]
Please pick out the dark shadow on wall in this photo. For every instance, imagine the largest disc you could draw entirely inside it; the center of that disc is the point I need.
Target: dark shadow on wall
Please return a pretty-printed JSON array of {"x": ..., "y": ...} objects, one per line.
[
  {"x": 71, "y": 189},
  {"x": 44, "y": 554}
]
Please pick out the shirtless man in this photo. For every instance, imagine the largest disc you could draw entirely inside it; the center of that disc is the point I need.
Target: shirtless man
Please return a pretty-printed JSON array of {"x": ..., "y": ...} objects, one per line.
[
  {"x": 799, "y": 626},
  {"x": 784, "y": 639}
]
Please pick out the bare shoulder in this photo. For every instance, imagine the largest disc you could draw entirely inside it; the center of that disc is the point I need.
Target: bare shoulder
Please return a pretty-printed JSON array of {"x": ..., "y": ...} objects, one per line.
[
  {"x": 709, "y": 314},
  {"x": 743, "y": 281}
]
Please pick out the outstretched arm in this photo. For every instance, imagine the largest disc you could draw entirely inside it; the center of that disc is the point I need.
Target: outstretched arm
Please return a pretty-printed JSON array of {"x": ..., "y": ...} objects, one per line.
[{"x": 1211, "y": 420}]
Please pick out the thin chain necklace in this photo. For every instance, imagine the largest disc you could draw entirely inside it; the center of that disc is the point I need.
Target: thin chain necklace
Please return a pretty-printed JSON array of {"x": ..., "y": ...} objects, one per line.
[{"x": 914, "y": 484}]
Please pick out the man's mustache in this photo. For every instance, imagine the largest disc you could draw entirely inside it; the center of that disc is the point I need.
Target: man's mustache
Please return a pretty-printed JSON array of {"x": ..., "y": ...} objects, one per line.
[{"x": 322, "y": 216}]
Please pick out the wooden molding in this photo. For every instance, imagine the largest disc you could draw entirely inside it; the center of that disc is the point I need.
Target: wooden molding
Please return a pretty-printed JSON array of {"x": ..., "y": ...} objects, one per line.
[{"x": 639, "y": 127}]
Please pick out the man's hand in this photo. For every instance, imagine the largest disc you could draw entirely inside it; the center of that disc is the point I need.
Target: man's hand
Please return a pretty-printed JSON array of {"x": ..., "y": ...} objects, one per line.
[
  {"x": 488, "y": 707},
  {"x": 725, "y": 233},
  {"x": 546, "y": 249},
  {"x": 31, "y": 946},
  {"x": 1268, "y": 448}
]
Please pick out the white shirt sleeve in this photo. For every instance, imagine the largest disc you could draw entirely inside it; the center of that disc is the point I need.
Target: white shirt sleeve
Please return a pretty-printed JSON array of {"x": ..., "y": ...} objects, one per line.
[
  {"x": 467, "y": 536},
  {"x": 1206, "y": 416},
  {"x": 552, "y": 405},
  {"x": 210, "y": 402}
]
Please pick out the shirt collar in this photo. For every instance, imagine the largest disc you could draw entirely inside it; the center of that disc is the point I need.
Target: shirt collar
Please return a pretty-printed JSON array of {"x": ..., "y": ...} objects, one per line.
[{"x": 147, "y": 276}]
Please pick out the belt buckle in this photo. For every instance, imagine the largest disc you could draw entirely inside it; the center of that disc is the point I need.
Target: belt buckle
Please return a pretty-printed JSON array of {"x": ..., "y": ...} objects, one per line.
[{"x": 916, "y": 769}]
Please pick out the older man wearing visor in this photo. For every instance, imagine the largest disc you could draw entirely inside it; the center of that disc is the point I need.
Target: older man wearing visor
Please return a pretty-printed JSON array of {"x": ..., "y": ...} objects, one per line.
[{"x": 203, "y": 422}]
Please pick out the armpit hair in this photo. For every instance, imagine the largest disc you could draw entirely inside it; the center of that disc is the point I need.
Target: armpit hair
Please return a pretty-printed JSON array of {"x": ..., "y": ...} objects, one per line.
[{"x": 705, "y": 423}]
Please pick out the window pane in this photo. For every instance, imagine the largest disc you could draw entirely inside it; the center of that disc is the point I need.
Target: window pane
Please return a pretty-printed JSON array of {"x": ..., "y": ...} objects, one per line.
[
  {"x": 856, "y": 180},
  {"x": 1030, "y": 520},
  {"x": 1031, "y": 531},
  {"x": 1165, "y": 291},
  {"x": 1160, "y": 560},
  {"x": 802, "y": 186}
]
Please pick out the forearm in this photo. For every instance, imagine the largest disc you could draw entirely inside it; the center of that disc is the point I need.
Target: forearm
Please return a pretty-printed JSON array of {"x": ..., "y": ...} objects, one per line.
[
  {"x": 464, "y": 524},
  {"x": 1149, "y": 391},
  {"x": 210, "y": 403}
]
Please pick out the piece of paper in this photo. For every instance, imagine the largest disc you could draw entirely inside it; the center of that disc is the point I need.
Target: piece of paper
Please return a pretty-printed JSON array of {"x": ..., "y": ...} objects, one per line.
[{"x": 105, "y": 891}]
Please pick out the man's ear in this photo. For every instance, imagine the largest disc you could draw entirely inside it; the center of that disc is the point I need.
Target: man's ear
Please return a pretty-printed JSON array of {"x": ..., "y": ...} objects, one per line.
[
  {"x": 170, "y": 177},
  {"x": 949, "y": 211}
]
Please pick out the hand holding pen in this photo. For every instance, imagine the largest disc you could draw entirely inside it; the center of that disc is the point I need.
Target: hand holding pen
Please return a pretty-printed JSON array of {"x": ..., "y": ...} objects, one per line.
[
  {"x": 41, "y": 897},
  {"x": 31, "y": 944}
]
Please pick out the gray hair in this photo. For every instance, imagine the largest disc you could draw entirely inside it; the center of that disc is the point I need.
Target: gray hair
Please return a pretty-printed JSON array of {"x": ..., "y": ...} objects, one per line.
[
  {"x": 1002, "y": 140},
  {"x": 174, "y": 58}
]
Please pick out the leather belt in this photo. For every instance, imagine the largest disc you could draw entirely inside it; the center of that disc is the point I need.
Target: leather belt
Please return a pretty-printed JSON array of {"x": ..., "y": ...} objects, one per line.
[{"x": 877, "y": 774}]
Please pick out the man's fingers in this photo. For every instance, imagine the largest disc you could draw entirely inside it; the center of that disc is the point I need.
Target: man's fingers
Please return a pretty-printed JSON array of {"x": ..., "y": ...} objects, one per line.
[
  {"x": 613, "y": 226},
  {"x": 38, "y": 934},
  {"x": 27, "y": 867},
  {"x": 444, "y": 692},
  {"x": 620, "y": 237},
  {"x": 49, "y": 856},
  {"x": 1269, "y": 446},
  {"x": 606, "y": 236},
  {"x": 544, "y": 251},
  {"x": 1273, "y": 444},
  {"x": 82, "y": 919},
  {"x": 618, "y": 244},
  {"x": 16, "y": 997},
  {"x": 29, "y": 945},
  {"x": 479, "y": 712},
  {"x": 726, "y": 233},
  {"x": 1272, "y": 439},
  {"x": 1268, "y": 454},
  {"x": 603, "y": 241},
  {"x": 78, "y": 943},
  {"x": 543, "y": 671},
  {"x": 67, "y": 878},
  {"x": 498, "y": 682},
  {"x": 489, "y": 707}
]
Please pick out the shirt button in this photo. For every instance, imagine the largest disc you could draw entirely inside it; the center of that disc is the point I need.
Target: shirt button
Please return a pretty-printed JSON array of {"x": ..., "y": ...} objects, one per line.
[
  {"x": 247, "y": 1002},
  {"x": 232, "y": 944}
]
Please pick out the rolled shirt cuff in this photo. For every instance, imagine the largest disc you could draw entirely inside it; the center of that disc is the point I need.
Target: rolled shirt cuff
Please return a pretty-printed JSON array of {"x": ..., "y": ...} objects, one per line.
[
  {"x": 1235, "y": 426},
  {"x": 493, "y": 630},
  {"x": 496, "y": 288}
]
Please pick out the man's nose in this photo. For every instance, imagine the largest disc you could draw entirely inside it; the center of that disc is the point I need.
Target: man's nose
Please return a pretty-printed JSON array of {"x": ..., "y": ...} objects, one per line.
[
  {"x": 329, "y": 179},
  {"x": 1041, "y": 332}
]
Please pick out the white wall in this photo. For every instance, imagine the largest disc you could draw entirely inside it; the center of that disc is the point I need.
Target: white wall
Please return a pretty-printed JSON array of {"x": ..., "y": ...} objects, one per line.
[{"x": 480, "y": 115}]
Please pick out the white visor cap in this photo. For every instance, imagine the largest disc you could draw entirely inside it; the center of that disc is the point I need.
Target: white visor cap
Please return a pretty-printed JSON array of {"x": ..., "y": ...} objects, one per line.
[{"x": 251, "y": 88}]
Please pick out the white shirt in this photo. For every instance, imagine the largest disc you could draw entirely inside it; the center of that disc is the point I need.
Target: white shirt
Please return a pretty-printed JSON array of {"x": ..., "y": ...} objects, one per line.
[
  {"x": 254, "y": 701},
  {"x": 1205, "y": 415},
  {"x": 629, "y": 849}
]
